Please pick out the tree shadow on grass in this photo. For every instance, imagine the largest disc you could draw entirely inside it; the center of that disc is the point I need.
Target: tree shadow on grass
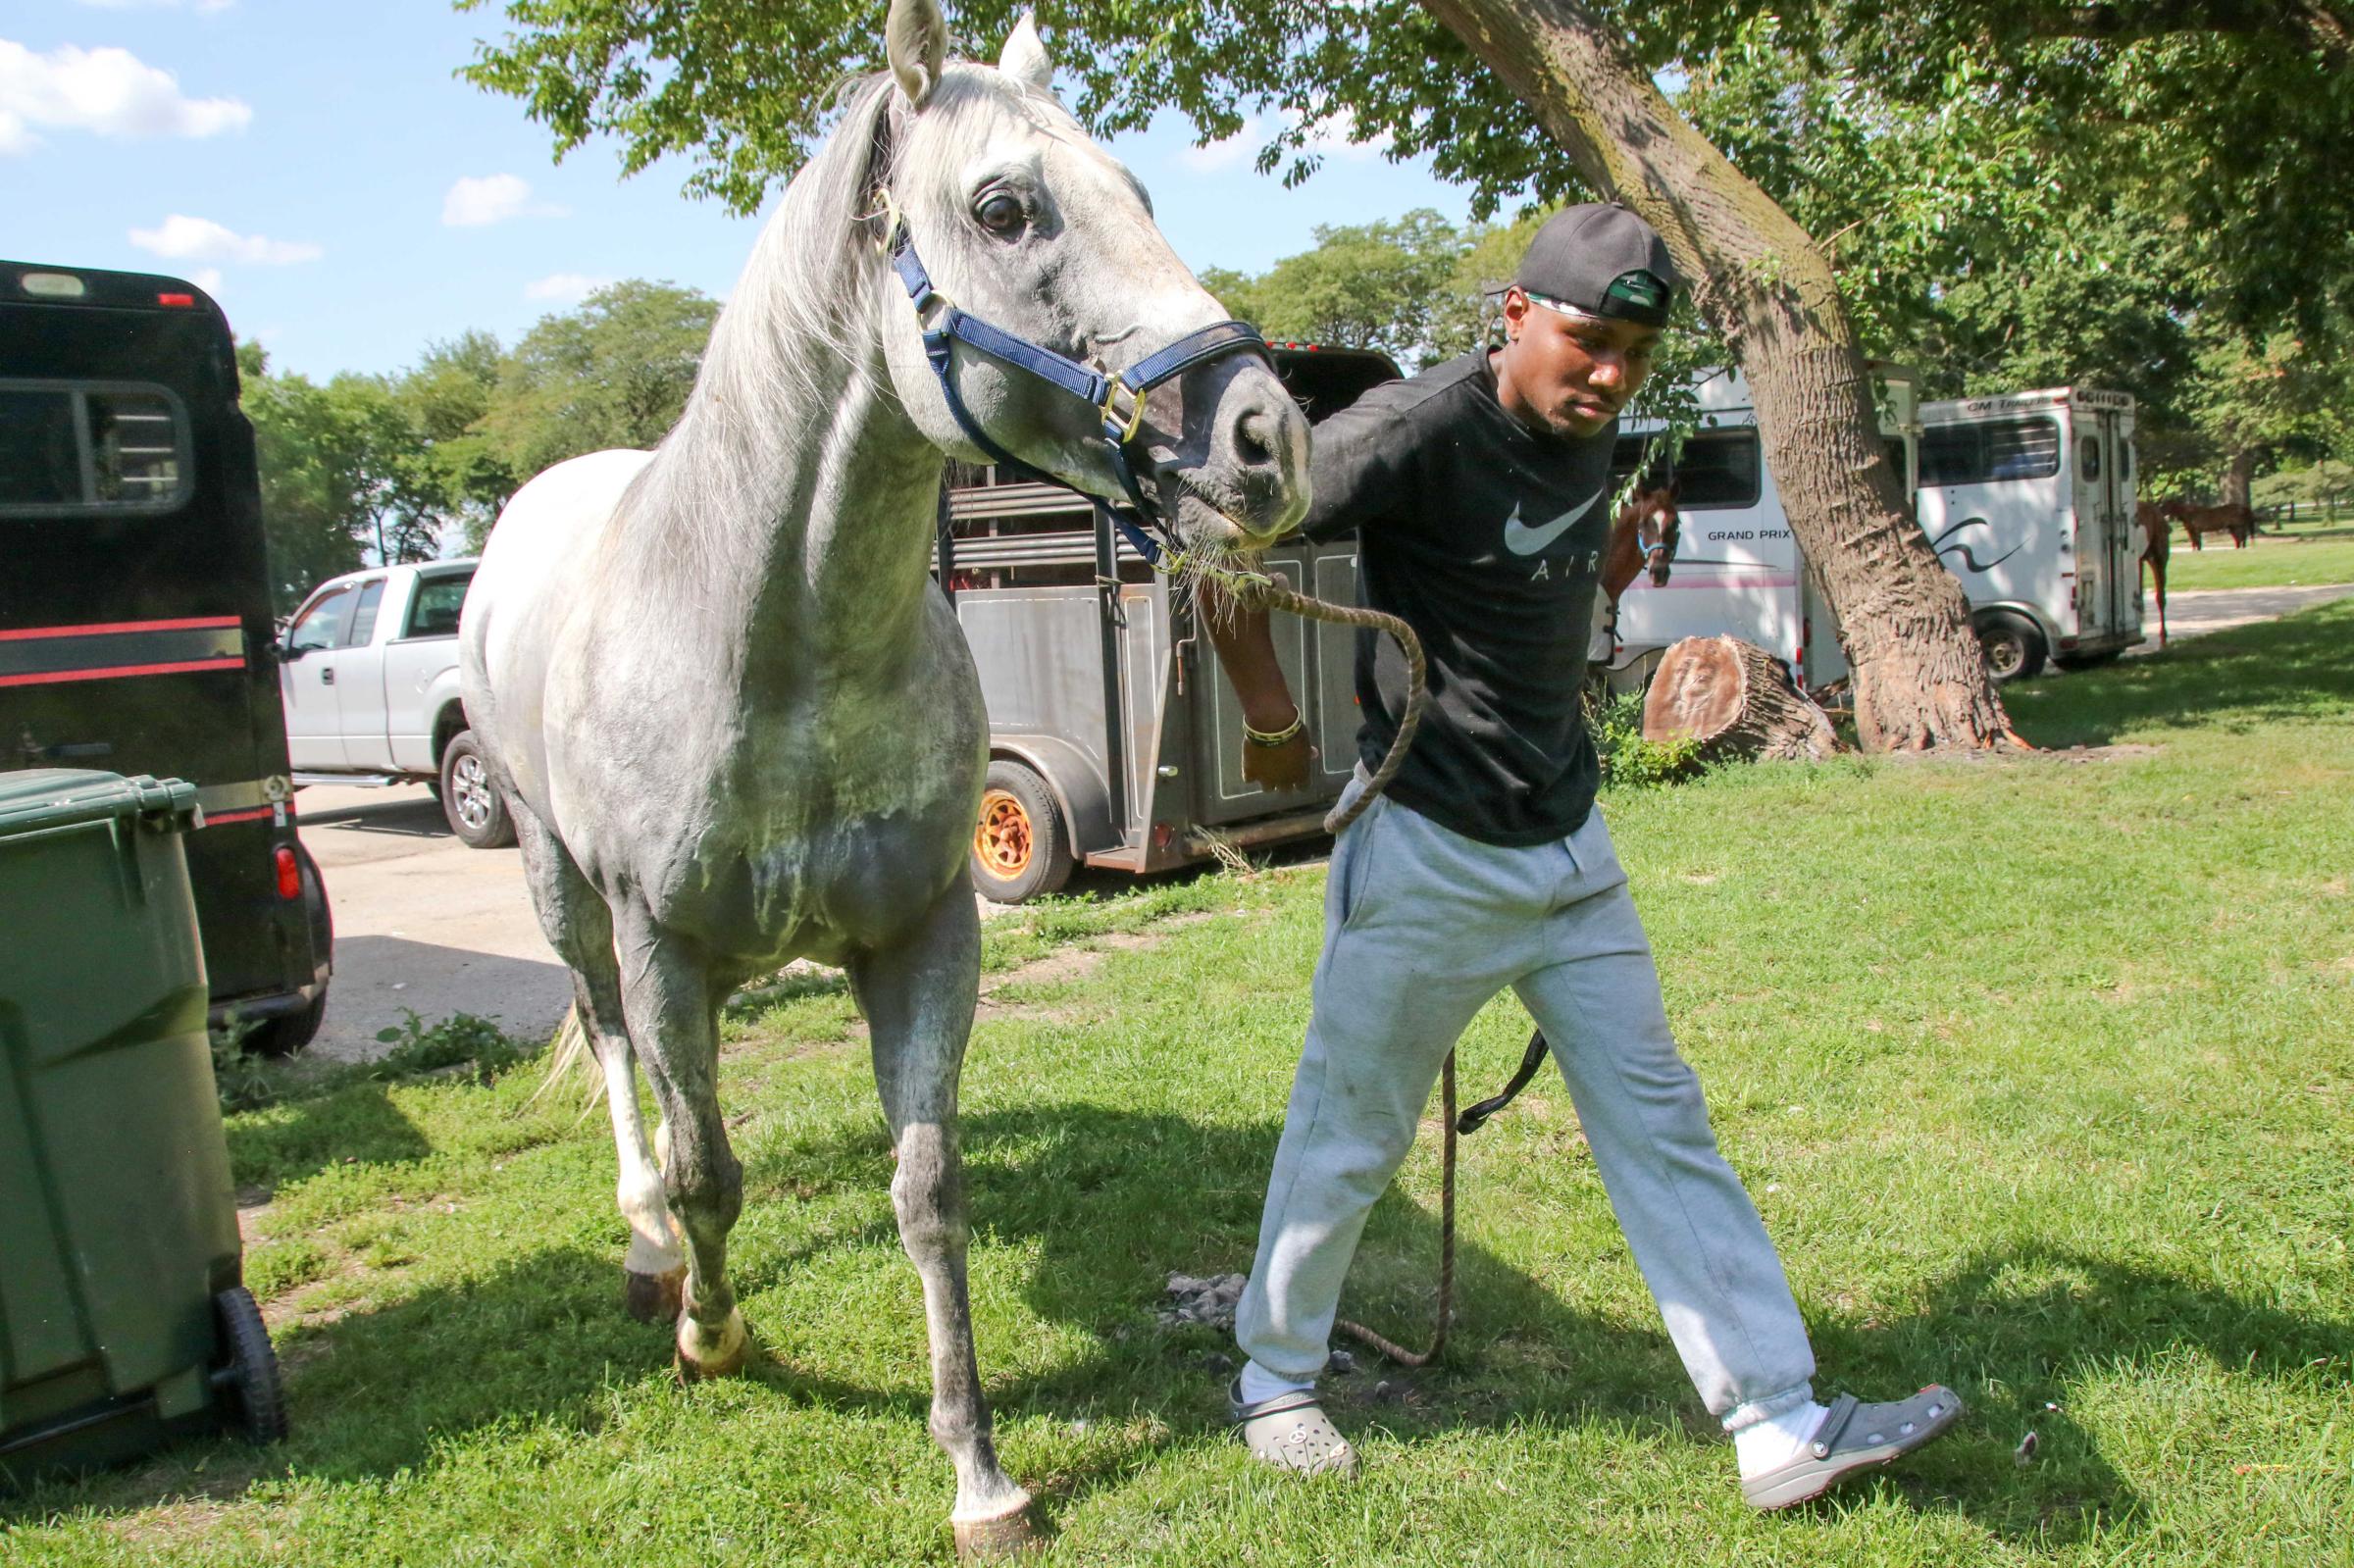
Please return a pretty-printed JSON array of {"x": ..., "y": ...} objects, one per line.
[
  {"x": 1114, "y": 1201},
  {"x": 357, "y": 1124},
  {"x": 2299, "y": 667}
]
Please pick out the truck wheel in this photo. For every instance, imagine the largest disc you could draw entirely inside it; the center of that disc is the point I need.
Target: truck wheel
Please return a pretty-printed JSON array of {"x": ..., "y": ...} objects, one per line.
[
  {"x": 253, "y": 1400},
  {"x": 469, "y": 799},
  {"x": 2013, "y": 647},
  {"x": 1021, "y": 849}
]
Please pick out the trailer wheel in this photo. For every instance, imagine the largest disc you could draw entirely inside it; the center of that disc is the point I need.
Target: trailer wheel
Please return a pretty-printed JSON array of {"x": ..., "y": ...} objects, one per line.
[
  {"x": 469, "y": 799},
  {"x": 2013, "y": 647},
  {"x": 1021, "y": 849},
  {"x": 254, "y": 1400}
]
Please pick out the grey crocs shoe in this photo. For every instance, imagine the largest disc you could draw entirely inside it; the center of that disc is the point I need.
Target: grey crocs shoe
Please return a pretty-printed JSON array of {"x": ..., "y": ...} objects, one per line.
[
  {"x": 1291, "y": 1432},
  {"x": 1854, "y": 1436}
]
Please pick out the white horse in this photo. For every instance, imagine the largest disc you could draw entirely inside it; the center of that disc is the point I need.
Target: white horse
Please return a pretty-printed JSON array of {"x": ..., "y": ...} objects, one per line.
[{"x": 734, "y": 720}]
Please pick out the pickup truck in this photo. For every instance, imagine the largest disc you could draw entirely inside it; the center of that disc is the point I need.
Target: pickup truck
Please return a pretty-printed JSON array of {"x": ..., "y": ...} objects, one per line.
[{"x": 368, "y": 669}]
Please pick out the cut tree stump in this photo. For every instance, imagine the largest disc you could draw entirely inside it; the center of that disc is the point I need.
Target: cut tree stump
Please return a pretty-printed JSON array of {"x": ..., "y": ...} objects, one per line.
[{"x": 1736, "y": 700}]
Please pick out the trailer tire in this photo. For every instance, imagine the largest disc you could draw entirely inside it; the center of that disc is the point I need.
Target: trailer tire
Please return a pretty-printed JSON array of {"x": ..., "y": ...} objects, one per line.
[
  {"x": 2015, "y": 649},
  {"x": 470, "y": 801},
  {"x": 1020, "y": 847}
]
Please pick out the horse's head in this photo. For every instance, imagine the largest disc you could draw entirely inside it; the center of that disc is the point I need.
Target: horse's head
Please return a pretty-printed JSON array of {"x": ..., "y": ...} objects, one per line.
[
  {"x": 1657, "y": 527},
  {"x": 1024, "y": 223}
]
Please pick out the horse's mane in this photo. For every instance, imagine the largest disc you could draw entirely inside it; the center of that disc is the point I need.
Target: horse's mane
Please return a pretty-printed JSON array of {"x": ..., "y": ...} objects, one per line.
[{"x": 794, "y": 340}]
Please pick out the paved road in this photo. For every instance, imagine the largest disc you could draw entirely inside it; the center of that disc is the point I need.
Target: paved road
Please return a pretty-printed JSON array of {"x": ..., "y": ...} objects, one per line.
[
  {"x": 2195, "y": 614},
  {"x": 422, "y": 922}
]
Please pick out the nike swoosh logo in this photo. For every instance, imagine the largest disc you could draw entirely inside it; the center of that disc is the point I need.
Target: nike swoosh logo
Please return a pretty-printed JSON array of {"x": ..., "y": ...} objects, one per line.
[{"x": 1522, "y": 539}]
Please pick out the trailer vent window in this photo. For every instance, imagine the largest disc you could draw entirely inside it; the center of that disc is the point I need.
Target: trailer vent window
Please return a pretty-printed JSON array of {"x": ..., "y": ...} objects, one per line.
[
  {"x": 81, "y": 448},
  {"x": 1989, "y": 450},
  {"x": 1716, "y": 468}
]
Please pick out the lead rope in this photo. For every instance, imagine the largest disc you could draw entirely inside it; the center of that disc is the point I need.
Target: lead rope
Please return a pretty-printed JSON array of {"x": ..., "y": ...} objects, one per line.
[{"x": 1259, "y": 592}]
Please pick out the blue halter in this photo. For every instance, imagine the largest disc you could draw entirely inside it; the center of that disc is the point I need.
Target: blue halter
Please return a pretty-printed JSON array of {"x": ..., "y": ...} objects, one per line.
[{"x": 1118, "y": 400}]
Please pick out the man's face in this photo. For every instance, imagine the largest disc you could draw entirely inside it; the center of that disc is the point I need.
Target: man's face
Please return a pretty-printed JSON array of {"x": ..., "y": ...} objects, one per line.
[{"x": 1572, "y": 372}]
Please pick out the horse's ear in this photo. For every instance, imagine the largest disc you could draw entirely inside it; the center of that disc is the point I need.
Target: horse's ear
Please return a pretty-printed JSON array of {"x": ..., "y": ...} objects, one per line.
[
  {"x": 1024, "y": 56},
  {"x": 915, "y": 38}
]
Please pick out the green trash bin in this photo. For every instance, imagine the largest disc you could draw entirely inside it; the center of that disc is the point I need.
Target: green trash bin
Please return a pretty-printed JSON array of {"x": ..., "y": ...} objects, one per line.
[{"x": 123, "y": 1318}]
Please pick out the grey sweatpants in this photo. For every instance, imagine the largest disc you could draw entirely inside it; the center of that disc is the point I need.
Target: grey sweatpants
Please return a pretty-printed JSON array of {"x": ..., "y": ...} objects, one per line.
[{"x": 1422, "y": 927}]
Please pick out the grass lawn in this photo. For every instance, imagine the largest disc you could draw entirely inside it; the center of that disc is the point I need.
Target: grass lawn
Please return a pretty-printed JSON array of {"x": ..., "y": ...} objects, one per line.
[
  {"x": 2266, "y": 563},
  {"x": 2041, "y": 1070}
]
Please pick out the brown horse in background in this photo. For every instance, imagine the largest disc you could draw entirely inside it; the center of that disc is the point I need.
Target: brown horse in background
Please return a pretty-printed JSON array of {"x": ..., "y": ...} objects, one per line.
[
  {"x": 2236, "y": 518},
  {"x": 2157, "y": 543},
  {"x": 1643, "y": 536}
]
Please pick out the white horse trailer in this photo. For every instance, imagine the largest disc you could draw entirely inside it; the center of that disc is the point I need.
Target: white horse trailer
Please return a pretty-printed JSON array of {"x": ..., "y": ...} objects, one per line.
[
  {"x": 2028, "y": 500},
  {"x": 1738, "y": 568}
]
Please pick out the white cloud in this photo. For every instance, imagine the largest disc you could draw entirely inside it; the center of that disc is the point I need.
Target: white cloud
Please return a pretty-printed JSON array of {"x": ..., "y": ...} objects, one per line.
[
  {"x": 183, "y": 239},
  {"x": 491, "y": 199},
  {"x": 206, "y": 279},
  {"x": 568, "y": 288},
  {"x": 1328, "y": 138},
  {"x": 109, "y": 91}
]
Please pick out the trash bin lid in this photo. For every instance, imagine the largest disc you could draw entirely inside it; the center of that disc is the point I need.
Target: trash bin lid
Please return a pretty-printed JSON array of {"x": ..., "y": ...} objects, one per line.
[{"x": 43, "y": 798}]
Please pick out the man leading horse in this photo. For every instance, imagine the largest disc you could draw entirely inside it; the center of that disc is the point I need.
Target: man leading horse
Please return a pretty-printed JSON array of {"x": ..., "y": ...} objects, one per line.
[{"x": 1476, "y": 492}]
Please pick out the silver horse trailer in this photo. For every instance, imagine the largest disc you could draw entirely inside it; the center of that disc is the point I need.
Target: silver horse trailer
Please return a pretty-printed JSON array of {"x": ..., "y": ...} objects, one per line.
[{"x": 1115, "y": 739}]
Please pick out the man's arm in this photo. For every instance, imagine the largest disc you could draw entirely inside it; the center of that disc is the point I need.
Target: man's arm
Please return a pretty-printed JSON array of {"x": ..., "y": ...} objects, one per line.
[
  {"x": 1355, "y": 470},
  {"x": 1247, "y": 648}
]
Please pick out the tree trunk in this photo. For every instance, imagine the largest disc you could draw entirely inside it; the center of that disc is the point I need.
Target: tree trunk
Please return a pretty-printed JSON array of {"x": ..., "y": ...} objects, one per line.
[
  {"x": 2239, "y": 480},
  {"x": 1920, "y": 678},
  {"x": 1736, "y": 700}
]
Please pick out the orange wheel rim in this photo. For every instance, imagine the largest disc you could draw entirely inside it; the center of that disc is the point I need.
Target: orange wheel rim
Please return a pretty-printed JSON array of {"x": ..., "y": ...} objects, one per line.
[{"x": 1002, "y": 839}]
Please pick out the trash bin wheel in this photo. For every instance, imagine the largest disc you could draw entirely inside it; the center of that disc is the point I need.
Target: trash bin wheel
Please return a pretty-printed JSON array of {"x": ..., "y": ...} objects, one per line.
[{"x": 253, "y": 1401}]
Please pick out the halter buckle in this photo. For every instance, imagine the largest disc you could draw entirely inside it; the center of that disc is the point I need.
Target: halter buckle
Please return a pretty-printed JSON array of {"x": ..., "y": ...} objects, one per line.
[{"x": 1120, "y": 428}]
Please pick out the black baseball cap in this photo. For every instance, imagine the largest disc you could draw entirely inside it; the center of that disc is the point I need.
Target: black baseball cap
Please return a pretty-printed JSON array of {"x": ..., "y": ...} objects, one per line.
[{"x": 1601, "y": 259}]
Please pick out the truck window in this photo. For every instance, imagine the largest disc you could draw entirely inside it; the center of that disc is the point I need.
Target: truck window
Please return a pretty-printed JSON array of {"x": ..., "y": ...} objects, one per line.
[
  {"x": 2088, "y": 458},
  {"x": 1989, "y": 450},
  {"x": 433, "y": 612},
  {"x": 1716, "y": 468},
  {"x": 363, "y": 614},
  {"x": 321, "y": 625},
  {"x": 90, "y": 447}
]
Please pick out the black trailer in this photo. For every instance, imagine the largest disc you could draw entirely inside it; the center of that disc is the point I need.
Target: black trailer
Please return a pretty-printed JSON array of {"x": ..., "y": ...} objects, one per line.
[
  {"x": 1115, "y": 740},
  {"x": 136, "y": 633}
]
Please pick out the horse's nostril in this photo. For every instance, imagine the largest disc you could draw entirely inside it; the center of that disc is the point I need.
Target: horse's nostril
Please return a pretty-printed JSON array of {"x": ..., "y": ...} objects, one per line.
[{"x": 1255, "y": 440}]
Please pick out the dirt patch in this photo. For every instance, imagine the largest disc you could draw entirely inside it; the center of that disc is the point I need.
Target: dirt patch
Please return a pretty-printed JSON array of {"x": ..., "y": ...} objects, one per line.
[{"x": 2120, "y": 752}]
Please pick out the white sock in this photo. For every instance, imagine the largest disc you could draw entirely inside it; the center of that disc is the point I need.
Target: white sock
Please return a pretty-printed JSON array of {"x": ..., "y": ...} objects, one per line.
[
  {"x": 1259, "y": 1384},
  {"x": 1774, "y": 1441}
]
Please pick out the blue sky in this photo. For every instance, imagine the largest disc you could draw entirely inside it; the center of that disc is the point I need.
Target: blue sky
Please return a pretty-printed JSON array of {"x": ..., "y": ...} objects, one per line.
[{"x": 316, "y": 164}]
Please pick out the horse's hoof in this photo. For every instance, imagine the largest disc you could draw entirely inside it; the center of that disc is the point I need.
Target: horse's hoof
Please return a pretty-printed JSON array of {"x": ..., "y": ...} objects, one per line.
[
  {"x": 1008, "y": 1535},
  {"x": 711, "y": 1352},
  {"x": 654, "y": 1297}
]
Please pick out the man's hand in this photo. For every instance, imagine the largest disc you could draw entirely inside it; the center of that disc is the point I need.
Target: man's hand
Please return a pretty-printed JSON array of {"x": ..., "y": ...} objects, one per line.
[{"x": 1284, "y": 767}]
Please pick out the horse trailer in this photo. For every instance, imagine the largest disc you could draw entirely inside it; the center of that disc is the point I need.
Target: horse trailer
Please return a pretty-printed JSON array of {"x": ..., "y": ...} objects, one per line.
[
  {"x": 1115, "y": 739},
  {"x": 2029, "y": 500},
  {"x": 136, "y": 624}
]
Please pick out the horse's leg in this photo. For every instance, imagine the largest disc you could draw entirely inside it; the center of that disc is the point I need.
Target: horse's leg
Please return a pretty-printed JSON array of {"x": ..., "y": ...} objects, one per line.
[
  {"x": 579, "y": 927},
  {"x": 666, "y": 994},
  {"x": 918, "y": 999}
]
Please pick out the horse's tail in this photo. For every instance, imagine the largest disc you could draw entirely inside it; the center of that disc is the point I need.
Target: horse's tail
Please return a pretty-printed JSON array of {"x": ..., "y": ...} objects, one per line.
[{"x": 572, "y": 1058}]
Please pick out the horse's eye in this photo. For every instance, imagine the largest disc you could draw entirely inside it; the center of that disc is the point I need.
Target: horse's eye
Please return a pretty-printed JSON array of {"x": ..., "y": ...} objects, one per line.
[{"x": 1001, "y": 214}]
